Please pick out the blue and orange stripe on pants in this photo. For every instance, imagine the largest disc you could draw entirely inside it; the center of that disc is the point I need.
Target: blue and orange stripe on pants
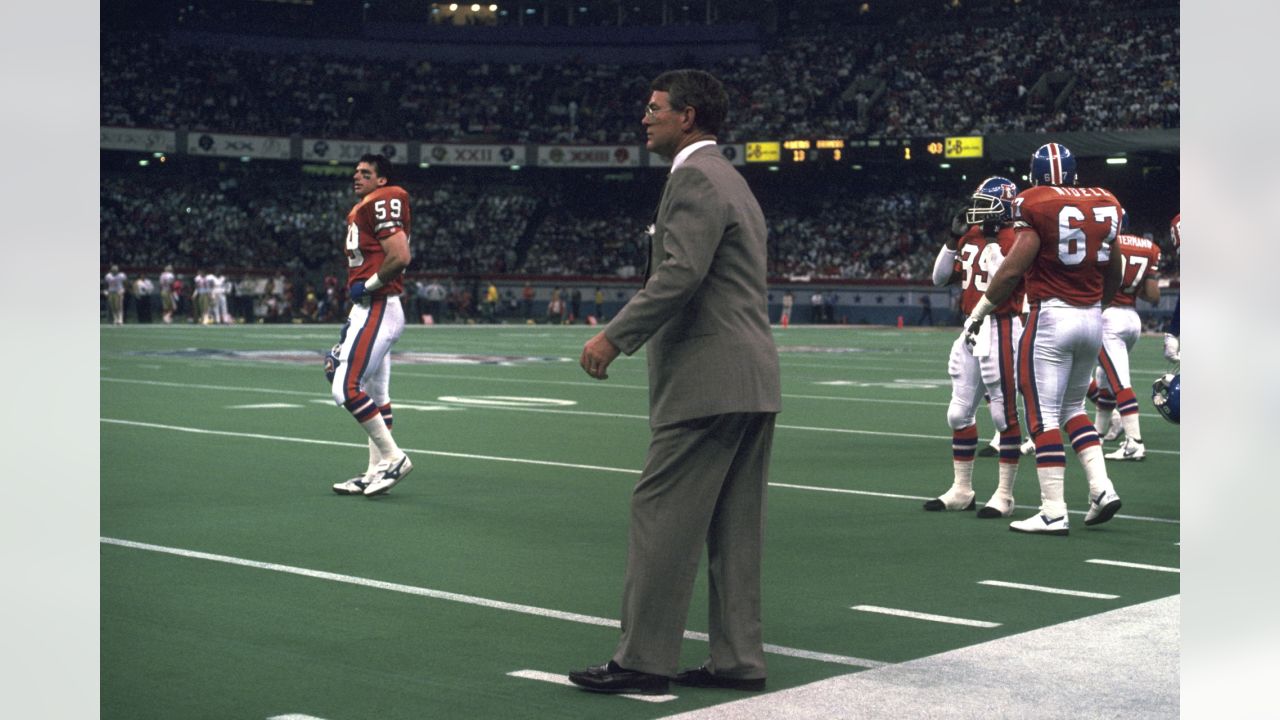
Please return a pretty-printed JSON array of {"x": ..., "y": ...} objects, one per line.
[{"x": 357, "y": 401}]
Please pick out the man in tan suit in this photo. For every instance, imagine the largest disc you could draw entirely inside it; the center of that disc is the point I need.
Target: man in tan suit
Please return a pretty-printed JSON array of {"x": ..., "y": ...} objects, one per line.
[{"x": 714, "y": 393}]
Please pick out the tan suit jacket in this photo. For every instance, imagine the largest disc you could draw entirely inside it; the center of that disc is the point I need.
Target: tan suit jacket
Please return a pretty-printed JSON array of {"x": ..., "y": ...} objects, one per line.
[{"x": 704, "y": 307}]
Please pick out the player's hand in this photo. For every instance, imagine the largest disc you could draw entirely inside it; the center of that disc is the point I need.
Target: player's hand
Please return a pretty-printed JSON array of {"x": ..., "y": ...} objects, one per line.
[
  {"x": 597, "y": 353},
  {"x": 356, "y": 292},
  {"x": 1172, "y": 348},
  {"x": 331, "y": 363},
  {"x": 970, "y": 334},
  {"x": 959, "y": 225}
]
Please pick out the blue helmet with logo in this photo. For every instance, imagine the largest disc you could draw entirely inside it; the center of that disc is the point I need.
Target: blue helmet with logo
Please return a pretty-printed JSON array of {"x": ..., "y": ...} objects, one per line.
[
  {"x": 993, "y": 200},
  {"x": 1165, "y": 395},
  {"x": 1053, "y": 164}
]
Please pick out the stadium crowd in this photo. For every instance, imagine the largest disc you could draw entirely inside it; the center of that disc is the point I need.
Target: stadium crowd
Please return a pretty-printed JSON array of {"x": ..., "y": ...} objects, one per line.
[
  {"x": 466, "y": 229},
  {"x": 1005, "y": 73}
]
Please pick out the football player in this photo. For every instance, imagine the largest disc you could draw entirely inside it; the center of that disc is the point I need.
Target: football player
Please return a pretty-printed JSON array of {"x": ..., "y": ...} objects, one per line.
[
  {"x": 1172, "y": 341},
  {"x": 359, "y": 366},
  {"x": 200, "y": 293},
  {"x": 1063, "y": 248},
  {"x": 1121, "y": 328},
  {"x": 985, "y": 235},
  {"x": 167, "y": 296},
  {"x": 115, "y": 280}
]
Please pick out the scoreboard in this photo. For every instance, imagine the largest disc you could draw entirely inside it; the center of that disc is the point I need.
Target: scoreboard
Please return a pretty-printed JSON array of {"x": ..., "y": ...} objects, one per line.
[{"x": 864, "y": 150}]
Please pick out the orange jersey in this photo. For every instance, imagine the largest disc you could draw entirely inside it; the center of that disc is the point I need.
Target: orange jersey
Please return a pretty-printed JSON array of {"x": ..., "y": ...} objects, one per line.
[
  {"x": 379, "y": 215},
  {"x": 977, "y": 257},
  {"x": 1141, "y": 259},
  {"x": 1076, "y": 228}
]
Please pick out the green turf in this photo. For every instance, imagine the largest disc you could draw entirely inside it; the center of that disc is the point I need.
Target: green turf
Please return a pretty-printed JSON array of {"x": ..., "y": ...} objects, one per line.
[{"x": 187, "y": 637}]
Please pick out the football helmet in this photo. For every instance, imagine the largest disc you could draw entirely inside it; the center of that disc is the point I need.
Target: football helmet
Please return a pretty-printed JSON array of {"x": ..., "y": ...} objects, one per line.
[
  {"x": 1053, "y": 164},
  {"x": 1165, "y": 393},
  {"x": 992, "y": 201}
]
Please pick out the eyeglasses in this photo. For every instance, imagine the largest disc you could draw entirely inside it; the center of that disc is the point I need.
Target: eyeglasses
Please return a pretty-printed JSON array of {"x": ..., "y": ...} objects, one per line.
[{"x": 652, "y": 109}]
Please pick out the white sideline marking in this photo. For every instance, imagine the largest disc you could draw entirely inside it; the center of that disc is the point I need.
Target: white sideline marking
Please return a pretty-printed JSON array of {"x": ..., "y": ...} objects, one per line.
[
  {"x": 465, "y": 599},
  {"x": 338, "y": 443},
  {"x": 263, "y": 406},
  {"x": 1052, "y": 590},
  {"x": 563, "y": 680},
  {"x": 576, "y": 466},
  {"x": 1138, "y": 566},
  {"x": 847, "y": 492},
  {"x": 294, "y": 716},
  {"x": 623, "y": 416},
  {"x": 925, "y": 616}
]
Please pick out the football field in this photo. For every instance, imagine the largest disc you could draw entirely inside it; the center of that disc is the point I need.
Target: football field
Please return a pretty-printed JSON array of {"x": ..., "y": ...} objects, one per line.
[{"x": 236, "y": 584}]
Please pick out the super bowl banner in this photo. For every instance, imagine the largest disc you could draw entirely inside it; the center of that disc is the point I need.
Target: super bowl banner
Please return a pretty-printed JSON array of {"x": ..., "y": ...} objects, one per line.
[
  {"x": 253, "y": 146},
  {"x": 475, "y": 155},
  {"x": 349, "y": 151},
  {"x": 139, "y": 139},
  {"x": 579, "y": 156}
]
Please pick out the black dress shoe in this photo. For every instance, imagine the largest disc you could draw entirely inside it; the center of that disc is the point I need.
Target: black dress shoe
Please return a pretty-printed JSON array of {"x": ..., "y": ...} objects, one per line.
[
  {"x": 613, "y": 678},
  {"x": 702, "y": 677}
]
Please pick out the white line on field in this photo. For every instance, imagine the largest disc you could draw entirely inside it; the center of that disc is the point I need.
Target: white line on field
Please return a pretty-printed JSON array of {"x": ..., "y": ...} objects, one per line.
[
  {"x": 562, "y": 679},
  {"x": 1138, "y": 566},
  {"x": 551, "y": 463},
  {"x": 338, "y": 443},
  {"x": 623, "y": 416},
  {"x": 925, "y": 616},
  {"x": 1051, "y": 590},
  {"x": 460, "y": 598}
]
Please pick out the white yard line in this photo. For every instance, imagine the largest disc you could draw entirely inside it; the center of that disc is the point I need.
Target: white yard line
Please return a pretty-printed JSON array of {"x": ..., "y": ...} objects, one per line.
[
  {"x": 1050, "y": 590},
  {"x": 459, "y": 598},
  {"x": 1136, "y": 566},
  {"x": 925, "y": 616},
  {"x": 622, "y": 416},
  {"x": 527, "y": 461}
]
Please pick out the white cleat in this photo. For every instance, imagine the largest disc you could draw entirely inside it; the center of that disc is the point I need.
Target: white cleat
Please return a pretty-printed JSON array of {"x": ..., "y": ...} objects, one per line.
[
  {"x": 952, "y": 499},
  {"x": 386, "y": 474},
  {"x": 354, "y": 486},
  {"x": 1041, "y": 525},
  {"x": 997, "y": 507},
  {"x": 1130, "y": 449},
  {"x": 1102, "y": 508}
]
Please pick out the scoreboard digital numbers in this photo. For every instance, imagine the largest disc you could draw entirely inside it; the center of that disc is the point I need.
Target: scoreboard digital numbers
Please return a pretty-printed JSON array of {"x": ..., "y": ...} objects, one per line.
[
  {"x": 864, "y": 150},
  {"x": 813, "y": 150}
]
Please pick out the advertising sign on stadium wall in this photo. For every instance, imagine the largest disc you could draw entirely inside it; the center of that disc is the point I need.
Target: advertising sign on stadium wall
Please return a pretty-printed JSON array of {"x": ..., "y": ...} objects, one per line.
[
  {"x": 140, "y": 139},
  {"x": 349, "y": 151},
  {"x": 475, "y": 155},
  {"x": 253, "y": 146},
  {"x": 580, "y": 156},
  {"x": 736, "y": 154}
]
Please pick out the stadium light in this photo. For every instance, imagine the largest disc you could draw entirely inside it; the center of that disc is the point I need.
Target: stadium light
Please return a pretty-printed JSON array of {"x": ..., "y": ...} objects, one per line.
[
  {"x": 773, "y": 168},
  {"x": 493, "y": 8},
  {"x": 424, "y": 165},
  {"x": 515, "y": 167},
  {"x": 475, "y": 7},
  {"x": 453, "y": 7},
  {"x": 1117, "y": 161},
  {"x": 144, "y": 162},
  {"x": 945, "y": 166},
  {"x": 157, "y": 155}
]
